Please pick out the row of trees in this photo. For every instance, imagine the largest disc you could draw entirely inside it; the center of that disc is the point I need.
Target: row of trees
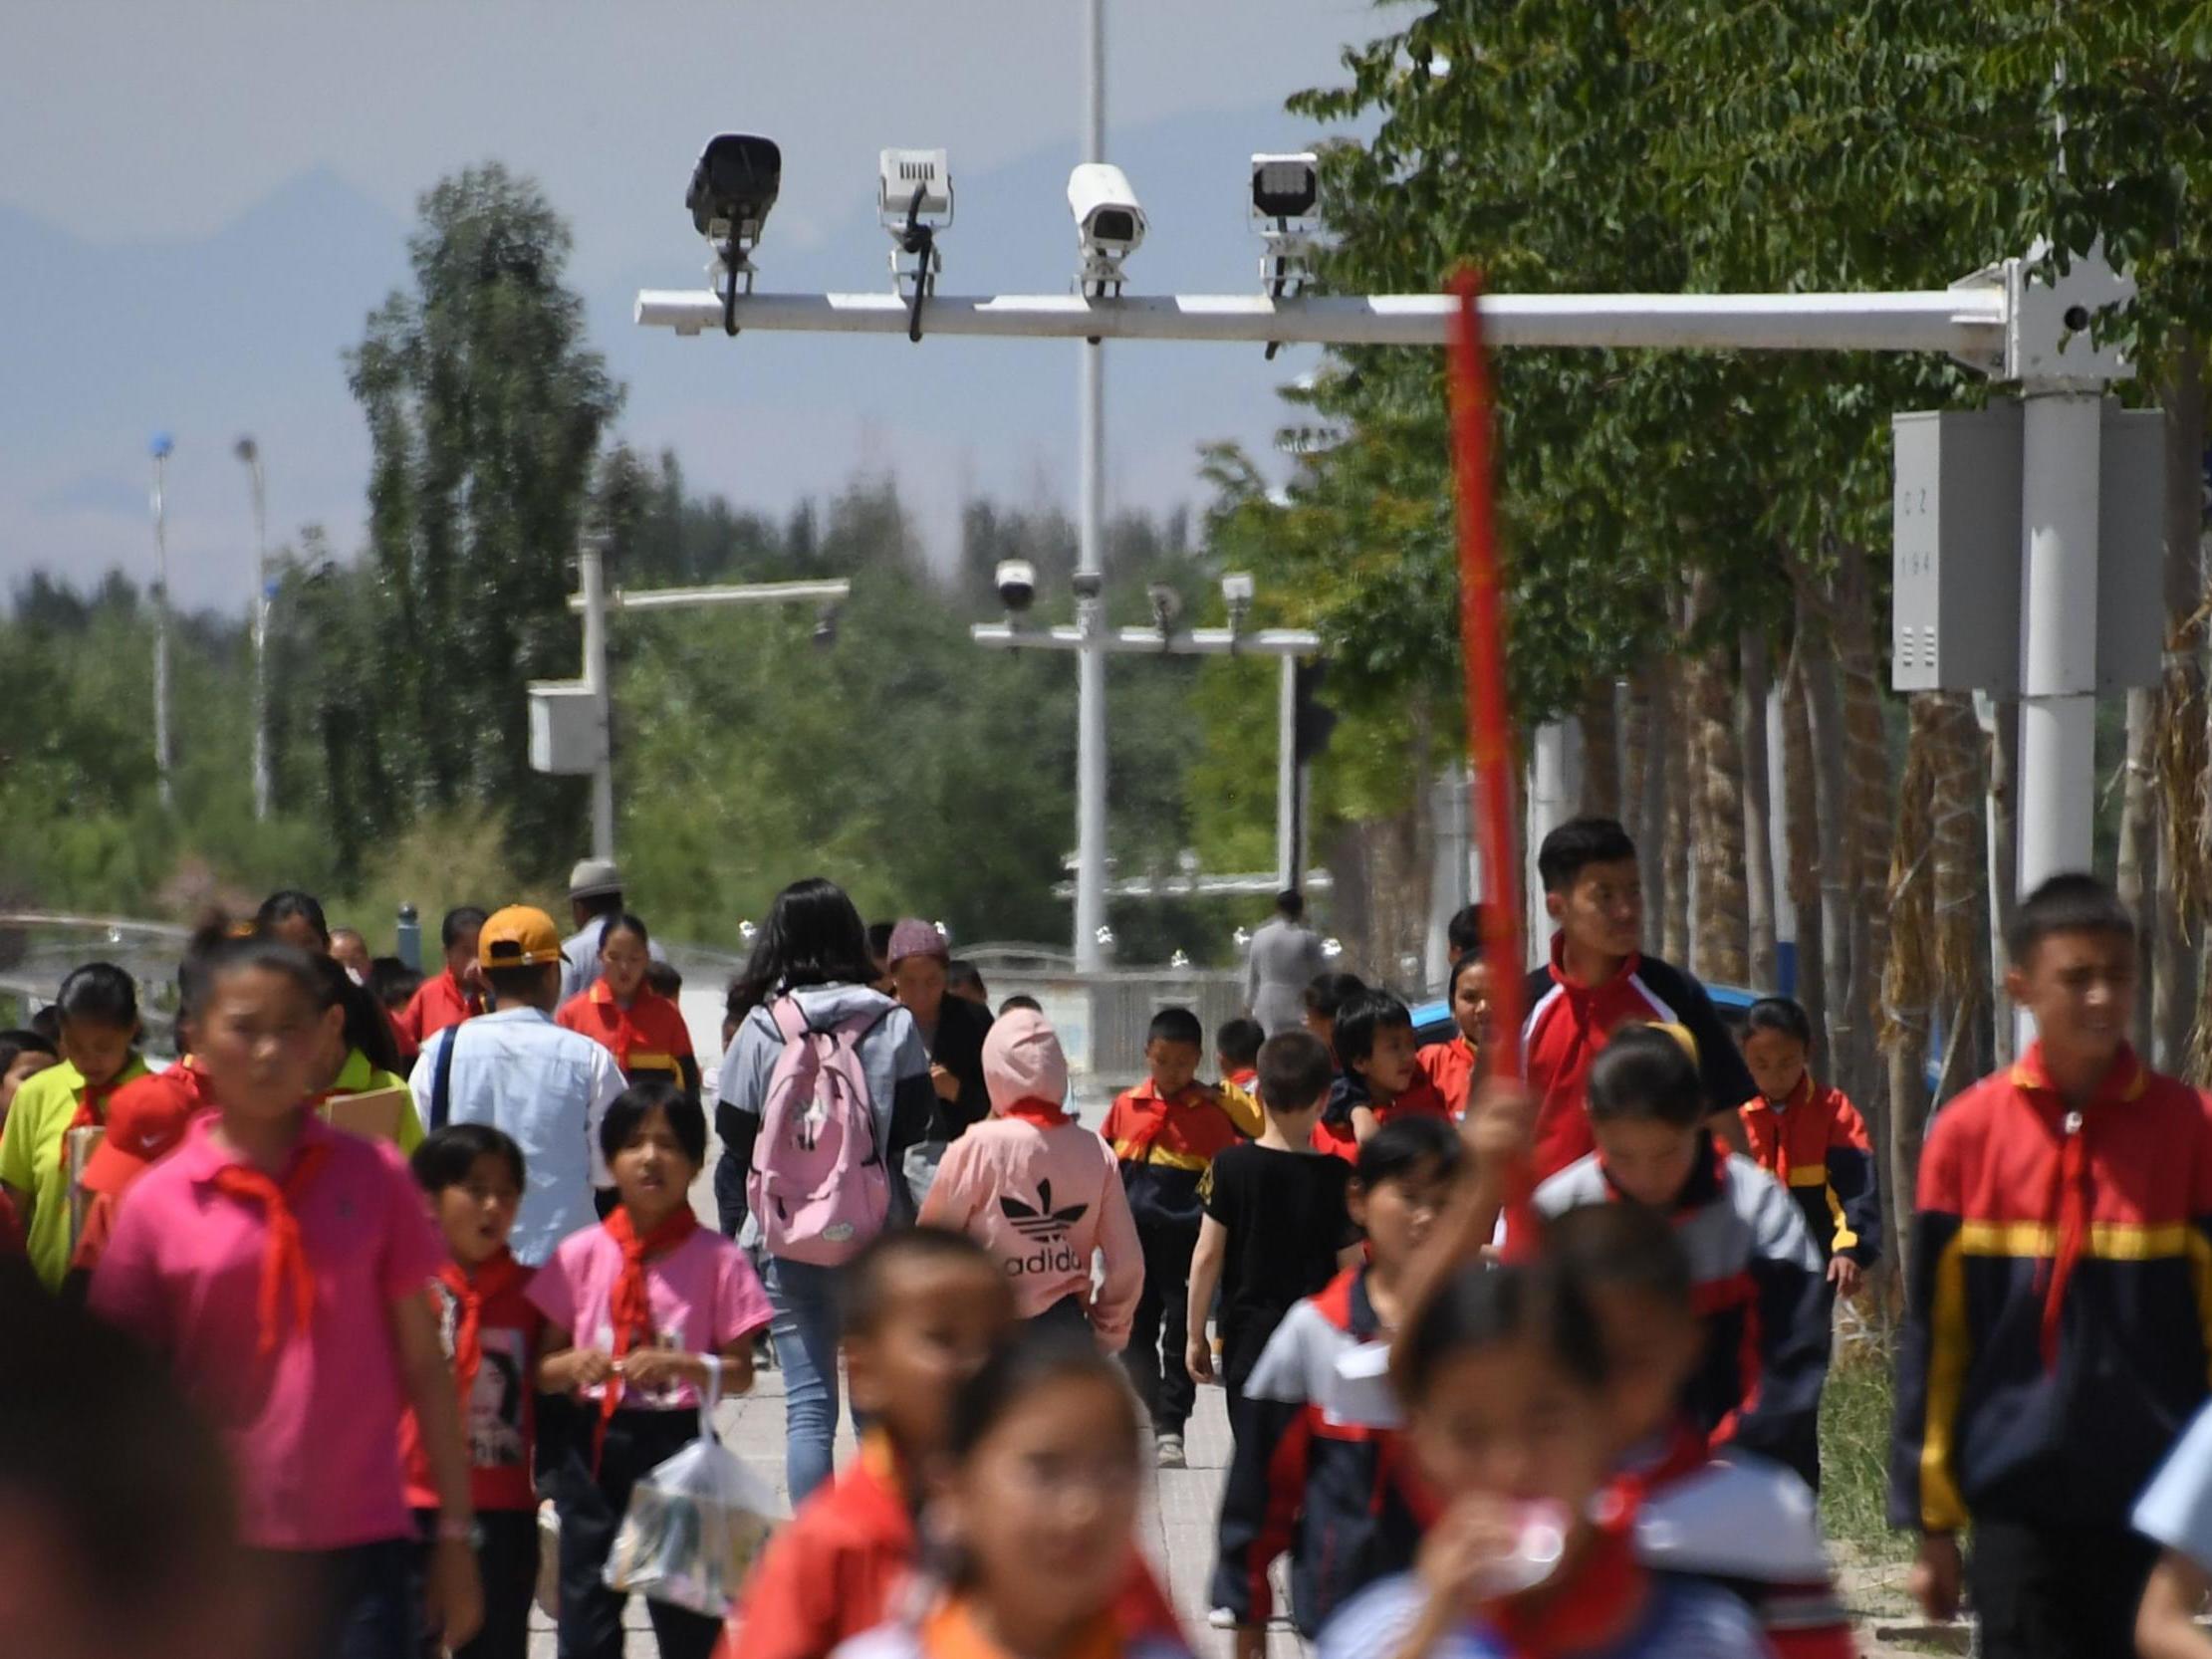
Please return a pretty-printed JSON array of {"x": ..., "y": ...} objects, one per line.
[{"x": 1689, "y": 532}]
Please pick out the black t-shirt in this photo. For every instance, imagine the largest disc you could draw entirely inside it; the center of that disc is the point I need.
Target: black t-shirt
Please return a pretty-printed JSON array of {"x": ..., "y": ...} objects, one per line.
[{"x": 1287, "y": 1222}]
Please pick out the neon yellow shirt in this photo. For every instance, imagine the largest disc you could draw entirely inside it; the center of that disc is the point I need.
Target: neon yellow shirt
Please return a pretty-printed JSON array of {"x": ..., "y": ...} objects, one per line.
[
  {"x": 358, "y": 1076},
  {"x": 31, "y": 1157}
]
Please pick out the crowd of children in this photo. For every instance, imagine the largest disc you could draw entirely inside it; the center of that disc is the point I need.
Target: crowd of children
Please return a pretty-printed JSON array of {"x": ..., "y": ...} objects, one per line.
[{"x": 1514, "y": 1366}]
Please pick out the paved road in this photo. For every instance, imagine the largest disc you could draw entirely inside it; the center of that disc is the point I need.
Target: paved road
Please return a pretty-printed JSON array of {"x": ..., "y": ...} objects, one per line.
[{"x": 1179, "y": 1519}]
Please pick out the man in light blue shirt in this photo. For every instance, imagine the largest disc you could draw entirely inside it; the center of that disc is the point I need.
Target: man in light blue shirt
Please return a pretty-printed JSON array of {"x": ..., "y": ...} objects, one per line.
[
  {"x": 515, "y": 1069},
  {"x": 2177, "y": 1513}
]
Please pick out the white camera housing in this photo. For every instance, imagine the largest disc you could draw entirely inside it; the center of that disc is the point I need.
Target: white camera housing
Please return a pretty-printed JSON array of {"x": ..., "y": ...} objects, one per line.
[
  {"x": 1016, "y": 581},
  {"x": 898, "y": 174},
  {"x": 1285, "y": 192},
  {"x": 1238, "y": 589},
  {"x": 1109, "y": 221}
]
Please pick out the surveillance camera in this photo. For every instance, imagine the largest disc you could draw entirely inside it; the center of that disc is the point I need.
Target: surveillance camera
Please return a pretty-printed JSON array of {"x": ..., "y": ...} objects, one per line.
[
  {"x": 1089, "y": 584},
  {"x": 732, "y": 188},
  {"x": 1016, "y": 580},
  {"x": 1286, "y": 189},
  {"x": 826, "y": 628},
  {"x": 913, "y": 187},
  {"x": 1110, "y": 222},
  {"x": 1167, "y": 604},
  {"x": 1237, "y": 589}
]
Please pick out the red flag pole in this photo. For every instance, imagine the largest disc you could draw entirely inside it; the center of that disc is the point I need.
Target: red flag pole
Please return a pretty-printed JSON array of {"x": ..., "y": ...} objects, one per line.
[{"x": 1489, "y": 721}]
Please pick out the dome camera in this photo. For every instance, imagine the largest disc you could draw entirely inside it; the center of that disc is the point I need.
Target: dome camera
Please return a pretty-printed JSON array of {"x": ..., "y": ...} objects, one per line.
[{"x": 1016, "y": 580}]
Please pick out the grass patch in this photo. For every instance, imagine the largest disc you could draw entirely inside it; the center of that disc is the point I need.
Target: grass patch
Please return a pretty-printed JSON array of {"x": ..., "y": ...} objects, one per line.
[{"x": 1855, "y": 1413}]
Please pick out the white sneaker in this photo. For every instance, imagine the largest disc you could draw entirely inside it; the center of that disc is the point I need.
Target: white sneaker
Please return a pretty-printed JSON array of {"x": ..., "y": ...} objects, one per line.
[
  {"x": 1221, "y": 1618},
  {"x": 1171, "y": 1452}
]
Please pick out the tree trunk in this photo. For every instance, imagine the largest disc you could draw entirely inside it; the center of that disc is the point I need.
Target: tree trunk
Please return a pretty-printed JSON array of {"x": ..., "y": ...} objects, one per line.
[
  {"x": 1681, "y": 786},
  {"x": 1805, "y": 860},
  {"x": 1751, "y": 744},
  {"x": 1717, "y": 803},
  {"x": 2004, "y": 870},
  {"x": 2136, "y": 860},
  {"x": 1636, "y": 740},
  {"x": 2178, "y": 920},
  {"x": 1600, "y": 751},
  {"x": 1868, "y": 763},
  {"x": 1824, "y": 710},
  {"x": 1909, "y": 971}
]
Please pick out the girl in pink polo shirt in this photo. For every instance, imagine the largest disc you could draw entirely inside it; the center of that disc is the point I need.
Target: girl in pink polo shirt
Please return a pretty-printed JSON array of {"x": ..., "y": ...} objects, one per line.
[
  {"x": 641, "y": 1312},
  {"x": 279, "y": 1266},
  {"x": 1040, "y": 1192}
]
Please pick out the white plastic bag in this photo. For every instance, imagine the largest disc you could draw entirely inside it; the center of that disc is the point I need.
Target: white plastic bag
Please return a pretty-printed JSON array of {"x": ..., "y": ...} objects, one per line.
[{"x": 695, "y": 1522}]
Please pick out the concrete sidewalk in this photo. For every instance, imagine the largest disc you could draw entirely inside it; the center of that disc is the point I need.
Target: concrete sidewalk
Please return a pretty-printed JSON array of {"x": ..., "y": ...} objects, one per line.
[{"x": 1178, "y": 1525}]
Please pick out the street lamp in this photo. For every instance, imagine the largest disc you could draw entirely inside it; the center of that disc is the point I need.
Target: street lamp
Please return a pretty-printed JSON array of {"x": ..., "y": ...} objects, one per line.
[
  {"x": 250, "y": 452},
  {"x": 160, "y": 449}
]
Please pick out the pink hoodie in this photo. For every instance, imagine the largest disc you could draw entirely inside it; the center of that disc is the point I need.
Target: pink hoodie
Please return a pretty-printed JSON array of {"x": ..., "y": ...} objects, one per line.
[{"x": 1038, "y": 1190}]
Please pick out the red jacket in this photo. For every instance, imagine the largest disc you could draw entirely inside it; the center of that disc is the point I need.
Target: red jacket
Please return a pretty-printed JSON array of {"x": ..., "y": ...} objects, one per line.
[
  {"x": 1450, "y": 1069},
  {"x": 1567, "y": 1024},
  {"x": 837, "y": 1568},
  {"x": 1333, "y": 1134},
  {"x": 437, "y": 1002},
  {"x": 649, "y": 1035},
  {"x": 1816, "y": 1145}
]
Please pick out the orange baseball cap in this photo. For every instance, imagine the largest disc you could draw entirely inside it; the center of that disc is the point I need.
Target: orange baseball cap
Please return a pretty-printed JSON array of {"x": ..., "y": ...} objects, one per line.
[
  {"x": 146, "y": 1121},
  {"x": 520, "y": 936}
]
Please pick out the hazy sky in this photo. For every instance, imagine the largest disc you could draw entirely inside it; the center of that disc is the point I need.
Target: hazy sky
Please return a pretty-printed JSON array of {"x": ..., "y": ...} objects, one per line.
[
  {"x": 125, "y": 120},
  {"x": 145, "y": 126}
]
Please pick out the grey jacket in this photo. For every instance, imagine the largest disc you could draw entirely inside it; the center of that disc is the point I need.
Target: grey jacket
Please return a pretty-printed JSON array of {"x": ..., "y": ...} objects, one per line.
[
  {"x": 891, "y": 1054},
  {"x": 1285, "y": 958}
]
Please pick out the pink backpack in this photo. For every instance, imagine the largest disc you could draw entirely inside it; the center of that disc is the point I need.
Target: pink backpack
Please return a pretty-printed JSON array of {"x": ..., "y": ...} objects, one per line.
[{"x": 818, "y": 1188}]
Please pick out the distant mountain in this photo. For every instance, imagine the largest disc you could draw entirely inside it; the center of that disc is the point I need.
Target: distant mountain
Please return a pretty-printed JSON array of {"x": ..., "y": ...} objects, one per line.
[{"x": 243, "y": 332}]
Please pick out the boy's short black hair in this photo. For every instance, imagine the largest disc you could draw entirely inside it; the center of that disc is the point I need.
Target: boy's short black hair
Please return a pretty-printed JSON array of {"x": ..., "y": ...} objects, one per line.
[
  {"x": 391, "y": 981},
  {"x": 512, "y": 987},
  {"x": 1175, "y": 1025},
  {"x": 47, "y": 1023},
  {"x": 1627, "y": 1247},
  {"x": 1331, "y": 991},
  {"x": 102, "y": 993},
  {"x": 1463, "y": 933},
  {"x": 1360, "y": 1020},
  {"x": 460, "y": 921},
  {"x": 447, "y": 1155},
  {"x": 1577, "y": 842},
  {"x": 638, "y": 1102},
  {"x": 863, "y": 1295},
  {"x": 1481, "y": 1308},
  {"x": 1785, "y": 1014},
  {"x": 2066, "y": 904},
  {"x": 13, "y": 1045},
  {"x": 1644, "y": 1076},
  {"x": 662, "y": 978},
  {"x": 1019, "y": 1004},
  {"x": 1296, "y": 1072},
  {"x": 879, "y": 939},
  {"x": 1406, "y": 1145},
  {"x": 1238, "y": 1042},
  {"x": 1290, "y": 904}
]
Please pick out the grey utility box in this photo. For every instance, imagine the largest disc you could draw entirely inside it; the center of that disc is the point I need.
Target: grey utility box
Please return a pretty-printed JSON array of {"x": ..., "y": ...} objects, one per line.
[
  {"x": 1957, "y": 555},
  {"x": 564, "y": 727}
]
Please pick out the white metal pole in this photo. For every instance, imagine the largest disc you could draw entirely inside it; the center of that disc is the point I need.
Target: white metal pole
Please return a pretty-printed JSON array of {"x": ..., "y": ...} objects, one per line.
[
  {"x": 1091, "y": 734},
  {"x": 162, "y": 625},
  {"x": 1287, "y": 871},
  {"x": 1555, "y": 785},
  {"x": 1787, "y": 966},
  {"x": 591, "y": 579},
  {"x": 251, "y": 453},
  {"x": 2059, "y": 463}
]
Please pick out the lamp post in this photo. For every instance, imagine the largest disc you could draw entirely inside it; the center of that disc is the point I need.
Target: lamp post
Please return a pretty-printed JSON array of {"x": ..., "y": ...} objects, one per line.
[
  {"x": 1091, "y": 734},
  {"x": 160, "y": 449},
  {"x": 250, "y": 452}
]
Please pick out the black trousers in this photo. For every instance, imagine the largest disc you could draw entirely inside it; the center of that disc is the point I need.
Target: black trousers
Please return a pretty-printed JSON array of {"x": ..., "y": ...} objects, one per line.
[
  {"x": 507, "y": 1563},
  {"x": 1154, "y": 1357},
  {"x": 1065, "y": 1315},
  {"x": 591, "y": 1510},
  {"x": 362, "y": 1603},
  {"x": 2057, "y": 1593}
]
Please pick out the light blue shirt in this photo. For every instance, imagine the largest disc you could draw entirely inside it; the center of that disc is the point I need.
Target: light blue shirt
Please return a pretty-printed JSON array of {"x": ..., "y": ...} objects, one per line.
[
  {"x": 545, "y": 1087},
  {"x": 2176, "y": 1510}
]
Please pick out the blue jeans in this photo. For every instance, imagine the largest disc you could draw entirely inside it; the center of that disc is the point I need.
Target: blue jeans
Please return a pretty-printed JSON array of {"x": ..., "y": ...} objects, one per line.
[{"x": 805, "y": 1333}]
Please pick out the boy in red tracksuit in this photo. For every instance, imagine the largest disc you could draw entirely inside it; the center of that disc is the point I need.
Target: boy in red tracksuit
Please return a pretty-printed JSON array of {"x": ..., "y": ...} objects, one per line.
[
  {"x": 1813, "y": 1140},
  {"x": 2058, "y": 1331},
  {"x": 1598, "y": 981},
  {"x": 924, "y": 1310},
  {"x": 1166, "y": 1133},
  {"x": 1380, "y": 1080}
]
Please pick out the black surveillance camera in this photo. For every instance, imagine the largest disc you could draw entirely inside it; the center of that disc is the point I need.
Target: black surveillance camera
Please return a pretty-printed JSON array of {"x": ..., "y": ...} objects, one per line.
[{"x": 733, "y": 188}]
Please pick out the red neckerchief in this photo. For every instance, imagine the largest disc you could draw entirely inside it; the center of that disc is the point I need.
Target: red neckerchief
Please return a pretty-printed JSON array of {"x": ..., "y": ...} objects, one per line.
[
  {"x": 92, "y": 1111},
  {"x": 1777, "y": 1158},
  {"x": 283, "y": 1259},
  {"x": 1160, "y": 1110},
  {"x": 1585, "y": 1610},
  {"x": 1688, "y": 1450},
  {"x": 1046, "y": 1114},
  {"x": 630, "y": 1305},
  {"x": 2068, "y": 1207},
  {"x": 494, "y": 1279}
]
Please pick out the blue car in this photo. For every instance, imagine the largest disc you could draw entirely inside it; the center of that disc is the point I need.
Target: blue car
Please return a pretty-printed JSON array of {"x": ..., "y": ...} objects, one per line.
[{"x": 1432, "y": 1021}]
